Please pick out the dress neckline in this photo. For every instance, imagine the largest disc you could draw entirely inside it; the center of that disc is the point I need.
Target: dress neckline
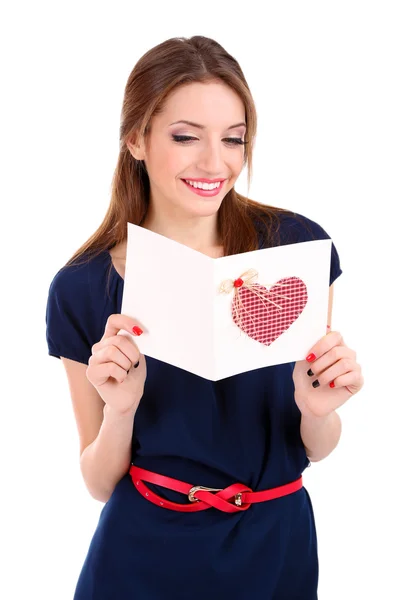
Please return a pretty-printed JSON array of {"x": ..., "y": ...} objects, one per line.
[{"x": 110, "y": 260}]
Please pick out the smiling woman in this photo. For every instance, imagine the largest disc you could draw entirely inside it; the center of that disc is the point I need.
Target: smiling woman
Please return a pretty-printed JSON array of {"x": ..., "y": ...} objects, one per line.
[{"x": 151, "y": 432}]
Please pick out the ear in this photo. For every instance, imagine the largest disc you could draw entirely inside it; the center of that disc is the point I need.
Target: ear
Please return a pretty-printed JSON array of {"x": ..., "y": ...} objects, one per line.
[{"x": 137, "y": 149}]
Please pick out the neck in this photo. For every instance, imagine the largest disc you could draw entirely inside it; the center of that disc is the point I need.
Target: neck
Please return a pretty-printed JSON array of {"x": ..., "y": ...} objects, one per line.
[{"x": 198, "y": 233}]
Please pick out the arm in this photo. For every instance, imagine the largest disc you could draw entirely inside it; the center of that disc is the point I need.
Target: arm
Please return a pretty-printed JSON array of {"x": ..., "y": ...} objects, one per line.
[
  {"x": 320, "y": 435},
  {"x": 105, "y": 436},
  {"x": 107, "y": 459}
]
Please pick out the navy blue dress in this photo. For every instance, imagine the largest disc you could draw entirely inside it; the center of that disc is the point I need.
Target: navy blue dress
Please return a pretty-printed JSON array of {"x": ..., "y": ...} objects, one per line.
[{"x": 245, "y": 428}]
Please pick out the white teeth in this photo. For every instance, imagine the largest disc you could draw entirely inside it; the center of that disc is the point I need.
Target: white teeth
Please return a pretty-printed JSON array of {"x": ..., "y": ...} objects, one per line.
[{"x": 203, "y": 186}]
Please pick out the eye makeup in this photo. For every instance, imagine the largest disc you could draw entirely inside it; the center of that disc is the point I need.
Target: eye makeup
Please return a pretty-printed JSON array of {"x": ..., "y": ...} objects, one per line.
[{"x": 187, "y": 139}]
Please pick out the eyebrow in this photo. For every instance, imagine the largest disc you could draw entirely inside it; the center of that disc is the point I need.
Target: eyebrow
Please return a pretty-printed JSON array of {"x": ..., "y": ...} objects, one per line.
[{"x": 203, "y": 127}]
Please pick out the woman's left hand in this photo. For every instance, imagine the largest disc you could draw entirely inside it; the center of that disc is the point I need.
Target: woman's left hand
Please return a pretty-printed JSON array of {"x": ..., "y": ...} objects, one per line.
[{"x": 334, "y": 367}]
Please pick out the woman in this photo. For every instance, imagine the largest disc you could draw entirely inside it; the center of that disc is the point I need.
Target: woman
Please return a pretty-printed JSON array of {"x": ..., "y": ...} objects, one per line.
[{"x": 149, "y": 431}]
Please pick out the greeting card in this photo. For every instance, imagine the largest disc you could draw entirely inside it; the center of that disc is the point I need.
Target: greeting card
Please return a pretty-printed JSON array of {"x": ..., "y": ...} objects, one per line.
[{"x": 217, "y": 317}]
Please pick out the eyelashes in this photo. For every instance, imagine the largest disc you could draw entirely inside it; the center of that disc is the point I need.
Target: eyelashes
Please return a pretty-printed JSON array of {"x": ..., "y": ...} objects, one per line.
[{"x": 186, "y": 139}]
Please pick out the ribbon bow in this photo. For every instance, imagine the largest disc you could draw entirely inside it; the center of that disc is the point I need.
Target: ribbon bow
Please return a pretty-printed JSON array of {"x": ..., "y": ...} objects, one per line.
[{"x": 247, "y": 280}]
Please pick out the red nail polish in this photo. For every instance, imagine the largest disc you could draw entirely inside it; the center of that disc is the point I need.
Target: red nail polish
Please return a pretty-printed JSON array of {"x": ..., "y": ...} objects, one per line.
[
  {"x": 332, "y": 384},
  {"x": 311, "y": 357},
  {"x": 137, "y": 330}
]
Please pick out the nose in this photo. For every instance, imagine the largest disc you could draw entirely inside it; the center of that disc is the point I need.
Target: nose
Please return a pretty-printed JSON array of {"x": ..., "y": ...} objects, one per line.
[{"x": 211, "y": 159}]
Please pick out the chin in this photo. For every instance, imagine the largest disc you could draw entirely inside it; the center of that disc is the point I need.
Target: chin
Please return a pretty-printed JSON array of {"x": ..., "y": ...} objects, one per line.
[{"x": 208, "y": 210}]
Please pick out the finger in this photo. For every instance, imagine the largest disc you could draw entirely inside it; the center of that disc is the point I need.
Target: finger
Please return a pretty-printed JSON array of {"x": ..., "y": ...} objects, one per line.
[
  {"x": 319, "y": 365},
  {"x": 344, "y": 365},
  {"x": 135, "y": 366},
  {"x": 331, "y": 339},
  {"x": 116, "y": 322},
  {"x": 113, "y": 354},
  {"x": 128, "y": 347},
  {"x": 349, "y": 379},
  {"x": 102, "y": 372}
]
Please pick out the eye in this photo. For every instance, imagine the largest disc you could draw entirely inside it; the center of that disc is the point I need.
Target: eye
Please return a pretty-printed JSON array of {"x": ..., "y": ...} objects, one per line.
[
  {"x": 236, "y": 141},
  {"x": 186, "y": 139}
]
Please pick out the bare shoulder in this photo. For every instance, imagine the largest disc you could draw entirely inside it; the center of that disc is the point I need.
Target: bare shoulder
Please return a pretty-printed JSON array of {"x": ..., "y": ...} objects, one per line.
[{"x": 86, "y": 402}]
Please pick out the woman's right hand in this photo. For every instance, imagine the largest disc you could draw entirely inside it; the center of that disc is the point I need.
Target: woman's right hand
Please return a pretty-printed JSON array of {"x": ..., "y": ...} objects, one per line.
[{"x": 111, "y": 366}]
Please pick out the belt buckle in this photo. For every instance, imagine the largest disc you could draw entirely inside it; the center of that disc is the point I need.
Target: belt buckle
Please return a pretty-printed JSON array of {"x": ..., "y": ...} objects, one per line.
[
  {"x": 238, "y": 499},
  {"x": 196, "y": 488}
]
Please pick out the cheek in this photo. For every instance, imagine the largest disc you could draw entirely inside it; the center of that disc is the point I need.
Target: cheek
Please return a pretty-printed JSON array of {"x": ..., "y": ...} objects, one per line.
[
  {"x": 236, "y": 165},
  {"x": 170, "y": 164}
]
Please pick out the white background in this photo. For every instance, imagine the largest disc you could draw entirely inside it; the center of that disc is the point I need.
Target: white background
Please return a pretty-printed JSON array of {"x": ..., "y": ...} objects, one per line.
[{"x": 329, "y": 82}]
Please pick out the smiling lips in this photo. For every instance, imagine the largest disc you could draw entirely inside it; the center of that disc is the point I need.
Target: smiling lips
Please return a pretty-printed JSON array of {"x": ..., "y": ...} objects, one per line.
[{"x": 204, "y": 188}]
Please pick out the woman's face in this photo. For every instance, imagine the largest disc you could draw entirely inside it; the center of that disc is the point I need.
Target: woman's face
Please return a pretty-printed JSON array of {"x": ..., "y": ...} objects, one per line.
[{"x": 212, "y": 153}]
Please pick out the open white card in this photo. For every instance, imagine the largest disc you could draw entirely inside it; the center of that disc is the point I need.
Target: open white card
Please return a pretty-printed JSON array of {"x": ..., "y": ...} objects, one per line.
[{"x": 173, "y": 293}]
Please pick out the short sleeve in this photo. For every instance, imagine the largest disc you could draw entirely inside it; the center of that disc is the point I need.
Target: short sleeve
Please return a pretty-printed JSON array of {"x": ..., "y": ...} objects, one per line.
[
  {"x": 302, "y": 229},
  {"x": 321, "y": 234},
  {"x": 69, "y": 316},
  {"x": 335, "y": 265}
]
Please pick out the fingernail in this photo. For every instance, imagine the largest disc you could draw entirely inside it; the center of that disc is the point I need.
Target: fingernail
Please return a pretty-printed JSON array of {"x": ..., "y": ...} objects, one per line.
[
  {"x": 315, "y": 383},
  {"x": 137, "y": 330},
  {"x": 311, "y": 357},
  {"x": 310, "y": 373},
  {"x": 332, "y": 385}
]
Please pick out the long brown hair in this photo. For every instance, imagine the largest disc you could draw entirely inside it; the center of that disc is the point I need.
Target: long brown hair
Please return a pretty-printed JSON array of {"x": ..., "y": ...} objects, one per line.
[{"x": 173, "y": 63}]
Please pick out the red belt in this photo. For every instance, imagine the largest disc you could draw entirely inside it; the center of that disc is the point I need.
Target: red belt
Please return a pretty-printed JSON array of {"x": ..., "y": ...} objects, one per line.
[{"x": 234, "y": 498}]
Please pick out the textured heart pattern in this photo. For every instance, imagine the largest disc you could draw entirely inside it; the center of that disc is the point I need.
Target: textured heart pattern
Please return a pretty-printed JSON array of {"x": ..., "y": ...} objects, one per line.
[{"x": 264, "y": 314}]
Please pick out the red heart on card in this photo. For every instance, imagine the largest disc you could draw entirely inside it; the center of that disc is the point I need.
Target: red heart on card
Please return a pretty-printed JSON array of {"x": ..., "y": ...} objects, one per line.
[{"x": 264, "y": 314}]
